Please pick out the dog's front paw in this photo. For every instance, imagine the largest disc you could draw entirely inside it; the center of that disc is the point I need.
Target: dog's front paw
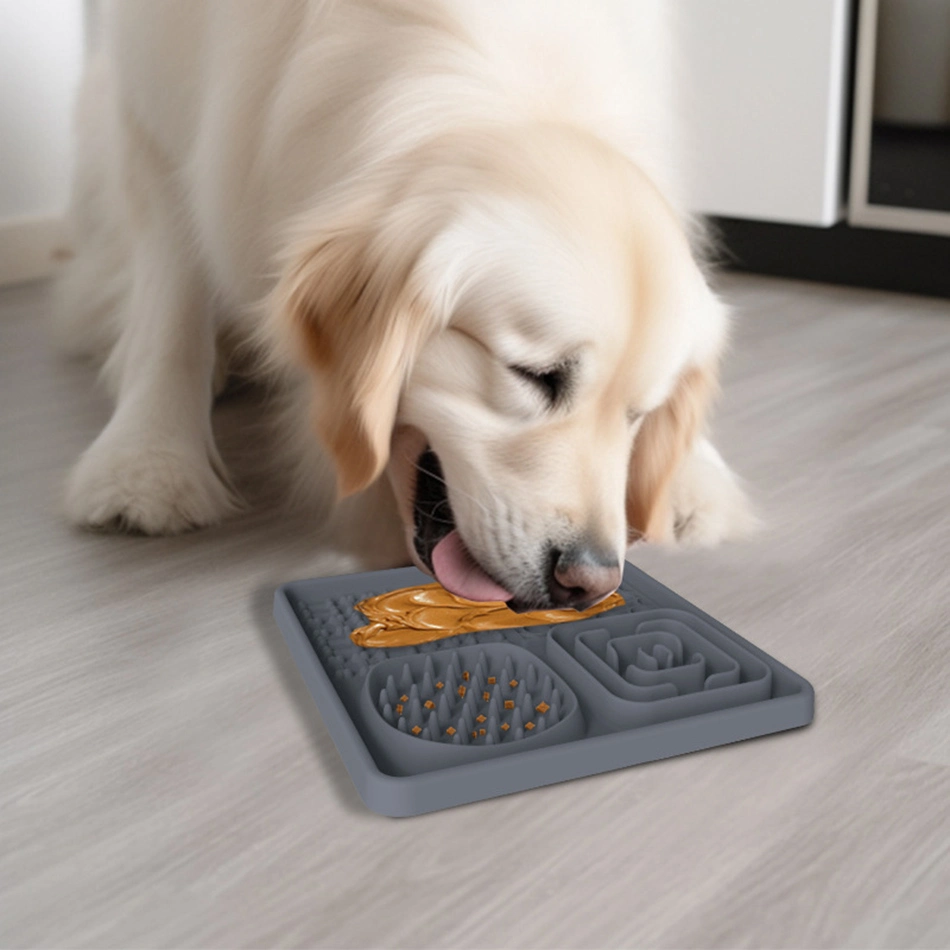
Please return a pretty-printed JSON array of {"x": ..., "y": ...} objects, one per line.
[
  {"x": 709, "y": 504},
  {"x": 126, "y": 485}
]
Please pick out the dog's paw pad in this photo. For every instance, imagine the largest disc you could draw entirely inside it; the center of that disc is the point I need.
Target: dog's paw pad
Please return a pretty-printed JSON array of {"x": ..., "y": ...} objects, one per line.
[{"x": 146, "y": 489}]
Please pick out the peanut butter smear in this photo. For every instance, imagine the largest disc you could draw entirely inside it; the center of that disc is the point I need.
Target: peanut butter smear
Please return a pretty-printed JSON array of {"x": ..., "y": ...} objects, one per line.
[{"x": 415, "y": 615}]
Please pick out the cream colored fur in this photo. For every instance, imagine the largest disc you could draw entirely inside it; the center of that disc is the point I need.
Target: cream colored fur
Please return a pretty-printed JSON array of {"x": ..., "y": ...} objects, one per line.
[{"x": 393, "y": 202}]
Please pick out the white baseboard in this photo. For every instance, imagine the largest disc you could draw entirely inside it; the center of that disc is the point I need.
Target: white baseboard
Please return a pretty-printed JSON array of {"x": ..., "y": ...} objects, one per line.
[{"x": 30, "y": 247}]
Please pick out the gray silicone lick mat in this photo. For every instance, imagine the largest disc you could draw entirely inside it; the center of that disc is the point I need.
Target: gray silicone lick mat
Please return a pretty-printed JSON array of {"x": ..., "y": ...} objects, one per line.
[{"x": 483, "y": 714}]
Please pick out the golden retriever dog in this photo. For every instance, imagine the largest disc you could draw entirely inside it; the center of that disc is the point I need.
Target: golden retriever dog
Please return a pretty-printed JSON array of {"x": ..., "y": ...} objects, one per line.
[{"x": 450, "y": 231}]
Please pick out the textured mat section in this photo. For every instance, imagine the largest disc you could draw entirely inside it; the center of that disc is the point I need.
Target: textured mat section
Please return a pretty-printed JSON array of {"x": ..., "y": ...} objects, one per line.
[
  {"x": 655, "y": 666},
  {"x": 458, "y": 706},
  {"x": 329, "y": 622},
  {"x": 488, "y": 713}
]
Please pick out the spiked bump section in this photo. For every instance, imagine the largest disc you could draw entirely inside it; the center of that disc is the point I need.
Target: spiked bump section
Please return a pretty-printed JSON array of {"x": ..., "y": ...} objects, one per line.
[
  {"x": 520, "y": 697},
  {"x": 526, "y": 704}
]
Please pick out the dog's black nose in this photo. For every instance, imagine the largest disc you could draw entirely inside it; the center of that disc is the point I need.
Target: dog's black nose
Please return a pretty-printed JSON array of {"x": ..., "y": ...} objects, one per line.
[{"x": 583, "y": 576}]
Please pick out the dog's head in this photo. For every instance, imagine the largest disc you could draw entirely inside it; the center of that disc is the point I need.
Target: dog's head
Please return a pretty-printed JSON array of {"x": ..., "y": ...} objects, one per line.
[{"x": 519, "y": 336}]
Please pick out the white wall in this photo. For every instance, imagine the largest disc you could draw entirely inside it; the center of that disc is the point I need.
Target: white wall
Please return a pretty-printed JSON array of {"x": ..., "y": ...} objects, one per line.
[{"x": 41, "y": 48}]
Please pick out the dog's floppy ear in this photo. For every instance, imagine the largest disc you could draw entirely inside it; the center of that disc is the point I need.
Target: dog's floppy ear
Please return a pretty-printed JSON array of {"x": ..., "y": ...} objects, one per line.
[
  {"x": 665, "y": 436},
  {"x": 346, "y": 297}
]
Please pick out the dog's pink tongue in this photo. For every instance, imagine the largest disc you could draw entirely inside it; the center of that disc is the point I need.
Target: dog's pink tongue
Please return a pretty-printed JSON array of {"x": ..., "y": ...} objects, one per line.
[{"x": 456, "y": 570}]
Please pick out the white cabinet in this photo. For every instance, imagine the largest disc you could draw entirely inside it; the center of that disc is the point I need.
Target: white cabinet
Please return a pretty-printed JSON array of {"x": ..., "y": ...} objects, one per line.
[{"x": 764, "y": 88}]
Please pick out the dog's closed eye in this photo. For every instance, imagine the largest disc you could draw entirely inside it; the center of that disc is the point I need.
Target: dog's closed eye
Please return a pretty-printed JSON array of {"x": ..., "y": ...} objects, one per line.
[{"x": 554, "y": 383}]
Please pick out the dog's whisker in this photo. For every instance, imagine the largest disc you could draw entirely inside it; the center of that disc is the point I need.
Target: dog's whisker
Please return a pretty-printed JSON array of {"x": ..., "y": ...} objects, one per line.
[{"x": 456, "y": 489}]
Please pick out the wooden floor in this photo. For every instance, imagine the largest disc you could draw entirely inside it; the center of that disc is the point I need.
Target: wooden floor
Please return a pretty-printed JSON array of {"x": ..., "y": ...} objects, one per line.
[{"x": 165, "y": 780}]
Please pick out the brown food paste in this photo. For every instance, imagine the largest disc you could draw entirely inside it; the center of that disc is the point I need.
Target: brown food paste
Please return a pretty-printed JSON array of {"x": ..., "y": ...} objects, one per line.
[{"x": 416, "y": 615}]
